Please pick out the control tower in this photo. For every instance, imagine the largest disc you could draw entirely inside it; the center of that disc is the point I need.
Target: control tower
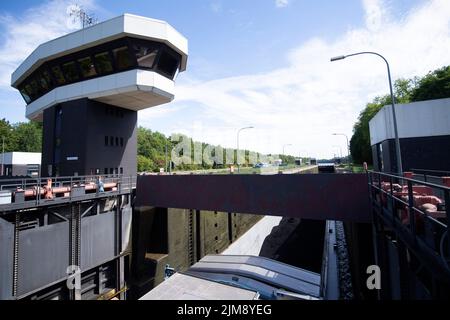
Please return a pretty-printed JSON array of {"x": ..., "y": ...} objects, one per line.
[{"x": 88, "y": 86}]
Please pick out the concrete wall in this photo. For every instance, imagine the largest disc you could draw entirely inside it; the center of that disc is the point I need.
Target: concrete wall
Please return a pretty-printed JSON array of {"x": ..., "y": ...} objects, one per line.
[{"x": 179, "y": 238}]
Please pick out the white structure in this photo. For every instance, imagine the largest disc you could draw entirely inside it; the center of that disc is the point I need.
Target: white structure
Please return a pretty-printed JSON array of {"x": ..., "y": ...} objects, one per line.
[
  {"x": 424, "y": 132},
  {"x": 87, "y": 87},
  {"x": 418, "y": 119},
  {"x": 20, "y": 163},
  {"x": 108, "y": 73}
]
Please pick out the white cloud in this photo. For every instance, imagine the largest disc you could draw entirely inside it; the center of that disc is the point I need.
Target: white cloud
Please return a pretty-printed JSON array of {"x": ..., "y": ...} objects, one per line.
[
  {"x": 216, "y": 6},
  {"x": 21, "y": 35},
  {"x": 310, "y": 98},
  {"x": 376, "y": 14},
  {"x": 281, "y": 3}
]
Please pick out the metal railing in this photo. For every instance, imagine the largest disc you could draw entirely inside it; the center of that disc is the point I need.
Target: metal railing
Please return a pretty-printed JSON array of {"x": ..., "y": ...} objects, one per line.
[
  {"x": 417, "y": 211},
  {"x": 433, "y": 176},
  {"x": 36, "y": 189}
]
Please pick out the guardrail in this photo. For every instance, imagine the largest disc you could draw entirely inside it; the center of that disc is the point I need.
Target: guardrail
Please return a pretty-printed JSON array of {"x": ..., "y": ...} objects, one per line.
[
  {"x": 436, "y": 173},
  {"x": 418, "y": 212},
  {"x": 29, "y": 192}
]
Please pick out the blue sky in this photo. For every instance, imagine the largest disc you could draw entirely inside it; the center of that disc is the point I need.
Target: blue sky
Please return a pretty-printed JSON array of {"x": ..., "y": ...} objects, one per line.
[{"x": 258, "y": 62}]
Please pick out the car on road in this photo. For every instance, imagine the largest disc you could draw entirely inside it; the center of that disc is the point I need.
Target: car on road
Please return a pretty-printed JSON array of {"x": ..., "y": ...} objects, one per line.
[{"x": 261, "y": 165}]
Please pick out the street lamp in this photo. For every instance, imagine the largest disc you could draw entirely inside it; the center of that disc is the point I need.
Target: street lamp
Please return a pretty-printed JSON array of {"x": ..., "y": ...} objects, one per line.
[
  {"x": 237, "y": 150},
  {"x": 3, "y": 155},
  {"x": 348, "y": 144},
  {"x": 338, "y": 148},
  {"x": 397, "y": 140}
]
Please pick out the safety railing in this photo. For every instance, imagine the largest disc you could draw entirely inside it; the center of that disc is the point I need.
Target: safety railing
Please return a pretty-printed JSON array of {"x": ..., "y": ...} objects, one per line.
[
  {"x": 418, "y": 210},
  {"x": 433, "y": 176},
  {"x": 16, "y": 192}
]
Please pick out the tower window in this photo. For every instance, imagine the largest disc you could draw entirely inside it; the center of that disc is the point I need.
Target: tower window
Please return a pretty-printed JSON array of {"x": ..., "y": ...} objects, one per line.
[
  {"x": 106, "y": 140},
  {"x": 117, "y": 141},
  {"x": 111, "y": 141},
  {"x": 58, "y": 75},
  {"x": 121, "y": 141},
  {"x": 70, "y": 71},
  {"x": 145, "y": 54},
  {"x": 122, "y": 58},
  {"x": 168, "y": 64},
  {"x": 87, "y": 67},
  {"x": 25, "y": 95},
  {"x": 103, "y": 63}
]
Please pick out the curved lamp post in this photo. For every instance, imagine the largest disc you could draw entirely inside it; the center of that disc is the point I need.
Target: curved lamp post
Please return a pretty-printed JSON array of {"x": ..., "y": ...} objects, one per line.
[
  {"x": 397, "y": 140},
  {"x": 348, "y": 144}
]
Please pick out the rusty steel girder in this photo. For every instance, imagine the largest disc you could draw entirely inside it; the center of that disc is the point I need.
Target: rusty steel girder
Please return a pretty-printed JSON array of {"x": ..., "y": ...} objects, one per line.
[{"x": 342, "y": 197}]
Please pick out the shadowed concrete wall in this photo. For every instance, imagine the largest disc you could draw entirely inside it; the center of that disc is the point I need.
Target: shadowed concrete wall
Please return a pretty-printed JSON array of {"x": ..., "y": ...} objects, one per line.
[{"x": 179, "y": 238}]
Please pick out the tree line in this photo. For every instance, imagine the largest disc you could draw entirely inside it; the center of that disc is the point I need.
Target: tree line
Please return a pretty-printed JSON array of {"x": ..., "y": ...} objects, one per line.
[
  {"x": 152, "y": 154},
  {"x": 434, "y": 85},
  {"x": 151, "y": 147},
  {"x": 21, "y": 137}
]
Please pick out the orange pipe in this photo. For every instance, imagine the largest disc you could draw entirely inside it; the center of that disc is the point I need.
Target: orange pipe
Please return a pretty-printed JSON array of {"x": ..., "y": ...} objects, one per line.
[{"x": 48, "y": 192}]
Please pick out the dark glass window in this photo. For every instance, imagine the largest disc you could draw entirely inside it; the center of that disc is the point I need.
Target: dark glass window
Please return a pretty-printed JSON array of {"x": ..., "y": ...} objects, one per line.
[
  {"x": 106, "y": 140},
  {"x": 47, "y": 76},
  {"x": 34, "y": 89},
  {"x": 70, "y": 71},
  {"x": 45, "y": 80},
  {"x": 121, "y": 170},
  {"x": 87, "y": 67},
  {"x": 58, "y": 75},
  {"x": 111, "y": 170},
  {"x": 103, "y": 63},
  {"x": 24, "y": 94},
  {"x": 29, "y": 90},
  {"x": 145, "y": 54},
  {"x": 122, "y": 58},
  {"x": 105, "y": 59},
  {"x": 168, "y": 64},
  {"x": 105, "y": 171},
  {"x": 121, "y": 142},
  {"x": 111, "y": 141},
  {"x": 117, "y": 141}
]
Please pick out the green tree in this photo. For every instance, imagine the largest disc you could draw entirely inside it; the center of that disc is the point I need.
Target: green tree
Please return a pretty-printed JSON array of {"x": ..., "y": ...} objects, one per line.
[
  {"x": 144, "y": 164},
  {"x": 27, "y": 136},
  {"x": 6, "y": 135},
  {"x": 435, "y": 85}
]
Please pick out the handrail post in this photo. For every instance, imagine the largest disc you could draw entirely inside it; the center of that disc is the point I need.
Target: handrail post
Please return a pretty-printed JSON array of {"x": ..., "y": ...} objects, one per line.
[
  {"x": 412, "y": 221},
  {"x": 447, "y": 213},
  {"x": 392, "y": 200}
]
